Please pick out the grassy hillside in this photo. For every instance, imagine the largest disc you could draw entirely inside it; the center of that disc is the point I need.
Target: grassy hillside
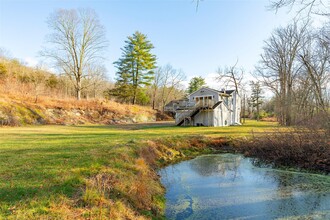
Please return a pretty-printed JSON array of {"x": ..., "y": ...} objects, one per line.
[
  {"x": 17, "y": 110},
  {"x": 77, "y": 172},
  {"x": 34, "y": 96}
]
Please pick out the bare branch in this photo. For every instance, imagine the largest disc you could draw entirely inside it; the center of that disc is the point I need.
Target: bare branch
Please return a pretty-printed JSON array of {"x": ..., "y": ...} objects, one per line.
[
  {"x": 303, "y": 7},
  {"x": 78, "y": 41},
  {"x": 231, "y": 76}
]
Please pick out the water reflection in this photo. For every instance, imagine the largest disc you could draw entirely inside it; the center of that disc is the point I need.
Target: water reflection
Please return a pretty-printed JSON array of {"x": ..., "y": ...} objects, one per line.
[
  {"x": 213, "y": 165},
  {"x": 230, "y": 187}
]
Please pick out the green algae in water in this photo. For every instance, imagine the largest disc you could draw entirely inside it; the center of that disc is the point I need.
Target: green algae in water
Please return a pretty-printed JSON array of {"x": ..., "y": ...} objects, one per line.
[{"x": 229, "y": 186}]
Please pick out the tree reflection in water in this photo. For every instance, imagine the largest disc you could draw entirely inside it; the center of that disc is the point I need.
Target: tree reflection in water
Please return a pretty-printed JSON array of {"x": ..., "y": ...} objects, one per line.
[
  {"x": 230, "y": 186},
  {"x": 210, "y": 165}
]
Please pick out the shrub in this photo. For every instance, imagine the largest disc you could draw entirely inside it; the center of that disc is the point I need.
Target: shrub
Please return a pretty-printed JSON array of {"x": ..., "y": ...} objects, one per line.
[
  {"x": 304, "y": 148},
  {"x": 3, "y": 71}
]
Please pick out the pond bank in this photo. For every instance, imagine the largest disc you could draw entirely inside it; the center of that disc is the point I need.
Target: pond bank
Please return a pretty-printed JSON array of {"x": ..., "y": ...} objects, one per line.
[
  {"x": 190, "y": 147},
  {"x": 300, "y": 148}
]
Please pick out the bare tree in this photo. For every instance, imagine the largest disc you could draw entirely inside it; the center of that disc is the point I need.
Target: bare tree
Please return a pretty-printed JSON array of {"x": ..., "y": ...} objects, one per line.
[
  {"x": 315, "y": 56},
  {"x": 37, "y": 79},
  {"x": 279, "y": 67},
  {"x": 231, "y": 76},
  {"x": 78, "y": 40},
  {"x": 256, "y": 97},
  {"x": 319, "y": 7},
  {"x": 171, "y": 79},
  {"x": 156, "y": 84},
  {"x": 95, "y": 78}
]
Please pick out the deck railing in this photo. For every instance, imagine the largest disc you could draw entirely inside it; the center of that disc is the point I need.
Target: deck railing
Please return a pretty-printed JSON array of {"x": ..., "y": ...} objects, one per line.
[{"x": 187, "y": 111}]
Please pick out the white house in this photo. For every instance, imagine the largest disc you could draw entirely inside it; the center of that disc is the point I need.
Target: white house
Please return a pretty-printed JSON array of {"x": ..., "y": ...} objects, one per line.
[{"x": 209, "y": 107}]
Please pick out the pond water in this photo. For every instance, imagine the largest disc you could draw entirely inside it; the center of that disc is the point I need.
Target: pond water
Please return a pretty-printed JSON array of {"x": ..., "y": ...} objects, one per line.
[{"x": 229, "y": 186}]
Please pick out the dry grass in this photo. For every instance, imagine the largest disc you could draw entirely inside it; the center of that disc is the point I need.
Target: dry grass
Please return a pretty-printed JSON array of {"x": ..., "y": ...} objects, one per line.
[
  {"x": 302, "y": 148},
  {"x": 70, "y": 103},
  {"x": 18, "y": 110}
]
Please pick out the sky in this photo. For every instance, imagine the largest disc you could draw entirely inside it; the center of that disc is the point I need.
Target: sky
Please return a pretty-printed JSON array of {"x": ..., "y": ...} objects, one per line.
[{"x": 217, "y": 34}]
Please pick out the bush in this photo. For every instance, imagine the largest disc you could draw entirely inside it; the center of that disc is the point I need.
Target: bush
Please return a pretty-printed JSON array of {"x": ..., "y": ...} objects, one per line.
[
  {"x": 262, "y": 114},
  {"x": 3, "y": 71},
  {"x": 318, "y": 121},
  {"x": 303, "y": 148}
]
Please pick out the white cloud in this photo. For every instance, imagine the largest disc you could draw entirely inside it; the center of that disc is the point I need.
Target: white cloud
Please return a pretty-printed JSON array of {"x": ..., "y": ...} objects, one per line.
[
  {"x": 31, "y": 62},
  {"x": 211, "y": 81},
  {"x": 185, "y": 84}
]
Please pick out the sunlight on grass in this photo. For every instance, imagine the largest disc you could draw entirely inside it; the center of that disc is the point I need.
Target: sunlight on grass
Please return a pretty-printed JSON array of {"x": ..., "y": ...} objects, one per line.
[{"x": 44, "y": 163}]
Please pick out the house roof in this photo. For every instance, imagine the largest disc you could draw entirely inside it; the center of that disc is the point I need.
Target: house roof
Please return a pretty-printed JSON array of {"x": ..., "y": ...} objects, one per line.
[
  {"x": 228, "y": 91},
  {"x": 207, "y": 88},
  {"x": 175, "y": 101},
  {"x": 222, "y": 92},
  {"x": 171, "y": 103}
]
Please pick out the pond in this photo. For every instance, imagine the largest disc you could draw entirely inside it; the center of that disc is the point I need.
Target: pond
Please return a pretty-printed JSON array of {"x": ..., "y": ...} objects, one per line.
[{"x": 229, "y": 186}]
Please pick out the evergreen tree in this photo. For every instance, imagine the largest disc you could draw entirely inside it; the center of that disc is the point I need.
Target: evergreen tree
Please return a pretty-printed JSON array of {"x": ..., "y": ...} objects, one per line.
[
  {"x": 135, "y": 68},
  {"x": 256, "y": 97},
  {"x": 195, "y": 84}
]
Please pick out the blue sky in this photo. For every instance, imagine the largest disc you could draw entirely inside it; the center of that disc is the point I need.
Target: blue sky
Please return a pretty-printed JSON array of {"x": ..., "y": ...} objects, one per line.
[{"x": 198, "y": 42}]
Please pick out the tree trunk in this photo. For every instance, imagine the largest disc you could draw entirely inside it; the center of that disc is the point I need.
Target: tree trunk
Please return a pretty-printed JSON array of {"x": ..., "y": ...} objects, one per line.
[
  {"x": 283, "y": 98},
  {"x": 78, "y": 94},
  {"x": 36, "y": 94},
  {"x": 134, "y": 95},
  {"x": 288, "y": 109},
  {"x": 244, "y": 108},
  {"x": 154, "y": 98},
  {"x": 135, "y": 84},
  {"x": 78, "y": 89},
  {"x": 258, "y": 110}
]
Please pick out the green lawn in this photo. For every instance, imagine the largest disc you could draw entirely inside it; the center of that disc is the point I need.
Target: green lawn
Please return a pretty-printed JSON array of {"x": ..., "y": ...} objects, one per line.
[{"x": 41, "y": 166}]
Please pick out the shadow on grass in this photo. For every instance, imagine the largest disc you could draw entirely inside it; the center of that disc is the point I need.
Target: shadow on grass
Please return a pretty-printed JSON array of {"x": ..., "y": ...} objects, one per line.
[
  {"x": 133, "y": 126},
  {"x": 14, "y": 194}
]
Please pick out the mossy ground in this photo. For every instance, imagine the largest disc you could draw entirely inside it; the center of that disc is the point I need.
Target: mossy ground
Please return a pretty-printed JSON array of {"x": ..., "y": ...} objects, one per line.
[{"x": 58, "y": 172}]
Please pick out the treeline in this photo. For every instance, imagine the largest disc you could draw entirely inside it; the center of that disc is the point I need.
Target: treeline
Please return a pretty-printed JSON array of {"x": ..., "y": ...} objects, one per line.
[
  {"x": 18, "y": 79},
  {"x": 295, "y": 66},
  {"x": 75, "y": 50}
]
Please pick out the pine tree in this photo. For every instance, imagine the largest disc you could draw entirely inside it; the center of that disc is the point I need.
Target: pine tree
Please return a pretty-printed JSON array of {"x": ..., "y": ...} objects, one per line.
[
  {"x": 135, "y": 67},
  {"x": 256, "y": 97},
  {"x": 195, "y": 84}
]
